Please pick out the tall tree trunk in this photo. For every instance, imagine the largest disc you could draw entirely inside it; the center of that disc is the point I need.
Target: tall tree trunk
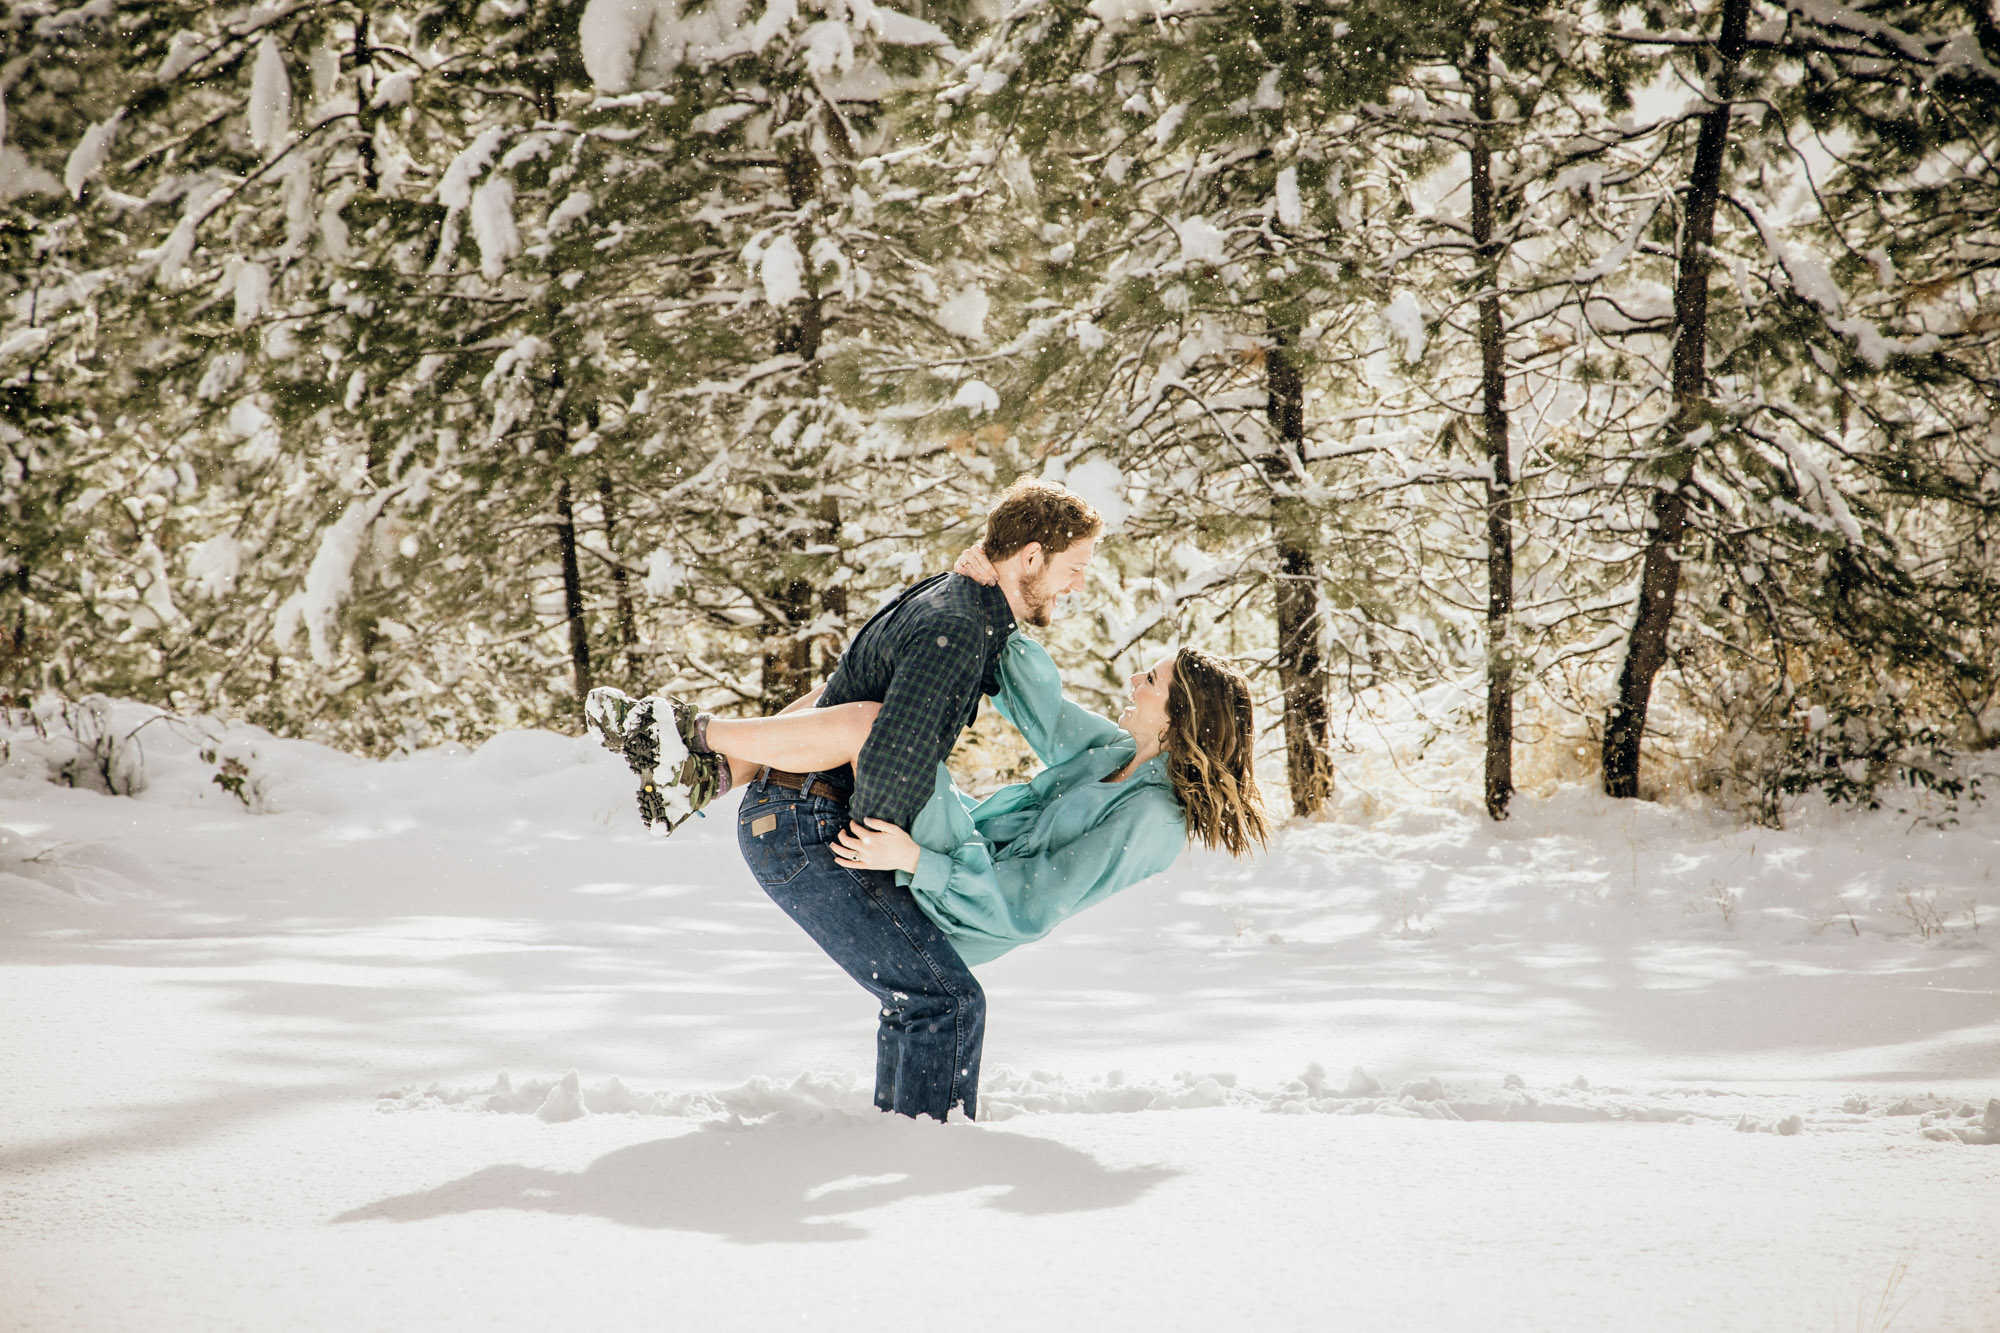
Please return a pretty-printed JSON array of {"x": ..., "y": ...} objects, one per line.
[
  {"x": 833, "y": 597},
  {"x": 579, "y": 637},
  {"x": 1660, "y": 575},
  {"x": 621, "y": 583},
  {"x": 1301, "y": 672},
  {"x": 1500, "y": 480},
  {"x": 788, "y": 666},
  {"x": 788, "y": 654},
  {"x": 18, "y": 650},
  {"x": 364, "y": 99}
]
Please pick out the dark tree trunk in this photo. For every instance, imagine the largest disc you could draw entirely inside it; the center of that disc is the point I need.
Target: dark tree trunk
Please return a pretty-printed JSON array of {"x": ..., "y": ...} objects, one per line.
[
  {"x": 1301, "y": 672},
  {"x": 832, "y": 598},
  {"x": 1500, "y": 483},
  {"x": 787, "y": 653},
  {"x": 18, "y": 650},
  {"x": 801, "y": 332},
  {"x": 579, "y": 637},
  {"x": 621, "y": 584},
  {"x": 364, "y": 82},
  {"x": 788, "y": 661},
  {"x": 1660, "y": 575}
]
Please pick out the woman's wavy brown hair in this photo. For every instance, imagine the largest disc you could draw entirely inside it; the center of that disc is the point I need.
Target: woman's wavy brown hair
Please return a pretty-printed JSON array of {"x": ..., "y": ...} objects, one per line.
[{"x": 1211, "y": 736}]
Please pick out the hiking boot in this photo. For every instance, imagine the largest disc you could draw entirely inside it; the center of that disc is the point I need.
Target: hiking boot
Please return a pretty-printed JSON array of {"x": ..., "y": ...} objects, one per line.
[{"x": 675, "y": 779}]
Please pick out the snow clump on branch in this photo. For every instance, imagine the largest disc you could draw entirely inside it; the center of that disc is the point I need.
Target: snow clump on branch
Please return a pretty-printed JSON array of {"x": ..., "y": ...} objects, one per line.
[
  {"x": 394, "y": 90},
  {"x": 1289, "y": 211},
  {"x": 1102, "y": 482},
  {"x": 493, "y": 225},
  {"x": 88, "y": 157},
  {"x": 629, "y": 44},
  {"x": 183, "y": 55},
  {"x": 976, "y": 396},
  {"x": 964, "y": 315},
  {"x": 1201, "y": 241},
  {"x": 614, "y": 36},
  {"x": 1405, "y": 319},
  {"x": 253, "y": 294},
  {"x": 829, "y": 48},
  {"x": 781, "y": 270},
  {"x": 455, "y": 190},
  {"x": 270, "y": 110}
]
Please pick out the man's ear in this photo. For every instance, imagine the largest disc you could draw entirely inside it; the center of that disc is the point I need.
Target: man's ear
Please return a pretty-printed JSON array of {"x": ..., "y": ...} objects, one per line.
[{"x": 1032, "y": 557}]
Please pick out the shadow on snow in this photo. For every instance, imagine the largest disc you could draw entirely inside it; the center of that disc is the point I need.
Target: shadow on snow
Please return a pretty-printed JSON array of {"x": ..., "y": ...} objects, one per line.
[{"x": 788, "y": 1183}]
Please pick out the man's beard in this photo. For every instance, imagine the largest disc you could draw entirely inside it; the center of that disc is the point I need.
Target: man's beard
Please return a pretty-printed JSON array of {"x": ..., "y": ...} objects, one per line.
[{"x": 1038, "y": 598}]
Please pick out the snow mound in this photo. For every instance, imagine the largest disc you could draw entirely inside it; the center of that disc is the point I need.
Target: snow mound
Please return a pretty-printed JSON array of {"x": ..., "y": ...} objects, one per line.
[
  {"x": 92, "y": 872},
  {"x": 811, "y": 1095},
  {"x": 1006, "y": 1094},
  {"x": 538, "y": 779}
]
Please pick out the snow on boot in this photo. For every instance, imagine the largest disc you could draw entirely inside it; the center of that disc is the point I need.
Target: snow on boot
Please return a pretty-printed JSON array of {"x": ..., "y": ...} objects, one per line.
[
  {"x": 675, "y": 779},
  {"x": 605, "y": 711}
]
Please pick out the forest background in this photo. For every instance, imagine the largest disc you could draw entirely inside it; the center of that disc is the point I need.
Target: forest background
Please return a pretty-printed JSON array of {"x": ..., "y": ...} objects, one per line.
[{"x": 1612, "y": 385}]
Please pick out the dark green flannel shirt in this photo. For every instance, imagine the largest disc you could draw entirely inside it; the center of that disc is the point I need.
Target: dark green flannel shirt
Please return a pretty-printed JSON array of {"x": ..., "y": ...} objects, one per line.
[{"x": 926, "y": 657}]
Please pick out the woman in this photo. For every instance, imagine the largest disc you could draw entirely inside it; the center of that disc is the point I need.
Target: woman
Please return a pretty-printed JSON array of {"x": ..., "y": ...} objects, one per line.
[{"x": 1114, "y": 805}]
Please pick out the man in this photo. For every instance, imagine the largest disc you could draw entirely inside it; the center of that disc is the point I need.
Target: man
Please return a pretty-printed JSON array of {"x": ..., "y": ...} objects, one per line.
[{"x": 925, "y": 658}]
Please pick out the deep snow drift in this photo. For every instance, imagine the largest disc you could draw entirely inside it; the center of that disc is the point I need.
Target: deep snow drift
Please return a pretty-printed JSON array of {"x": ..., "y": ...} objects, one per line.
[{"x": 1605, "y": 1066}]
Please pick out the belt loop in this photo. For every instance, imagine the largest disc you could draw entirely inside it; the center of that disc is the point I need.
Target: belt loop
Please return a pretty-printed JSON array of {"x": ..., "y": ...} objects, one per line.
[{"x": 811, "y": 785}]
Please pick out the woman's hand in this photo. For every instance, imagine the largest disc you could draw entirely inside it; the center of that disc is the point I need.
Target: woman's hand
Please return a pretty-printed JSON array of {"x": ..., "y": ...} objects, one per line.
[
  {"x": 972, "y": 563},
  {"x": 872, "y": 844}
]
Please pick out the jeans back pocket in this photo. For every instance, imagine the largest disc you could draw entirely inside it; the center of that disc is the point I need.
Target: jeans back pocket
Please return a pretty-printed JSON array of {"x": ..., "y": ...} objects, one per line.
[{"x": 768, "y": 832}]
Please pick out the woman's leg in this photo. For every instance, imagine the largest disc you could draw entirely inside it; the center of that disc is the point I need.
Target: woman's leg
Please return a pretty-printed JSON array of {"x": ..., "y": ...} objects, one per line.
[{"x": 811, "y": 740}]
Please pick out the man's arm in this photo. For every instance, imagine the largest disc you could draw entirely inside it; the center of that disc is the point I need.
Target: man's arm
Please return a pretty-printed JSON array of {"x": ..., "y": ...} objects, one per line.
[{"x": 936, "y": 678}]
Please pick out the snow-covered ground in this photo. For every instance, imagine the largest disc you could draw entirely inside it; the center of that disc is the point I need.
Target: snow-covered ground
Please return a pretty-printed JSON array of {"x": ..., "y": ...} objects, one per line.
[{"x": 1413, "y": 1070}]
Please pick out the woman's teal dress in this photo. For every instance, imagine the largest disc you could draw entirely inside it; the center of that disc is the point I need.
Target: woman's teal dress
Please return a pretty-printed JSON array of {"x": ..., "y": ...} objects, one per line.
[{"x": 1005, "y": 870}]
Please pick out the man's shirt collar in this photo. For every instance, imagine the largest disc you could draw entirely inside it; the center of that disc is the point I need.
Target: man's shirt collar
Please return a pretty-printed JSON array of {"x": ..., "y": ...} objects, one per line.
[{"x": 993, "y": 604}]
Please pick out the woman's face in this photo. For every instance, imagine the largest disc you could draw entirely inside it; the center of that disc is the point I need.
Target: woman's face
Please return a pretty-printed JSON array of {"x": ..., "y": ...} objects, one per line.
[{"x": 1146, "y": 716}]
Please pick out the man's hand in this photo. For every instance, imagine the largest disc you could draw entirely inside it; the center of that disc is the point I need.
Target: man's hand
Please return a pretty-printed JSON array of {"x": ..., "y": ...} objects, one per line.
[
  {"x": 874, "y": 844},
  {"x": 972, "y": 563}
]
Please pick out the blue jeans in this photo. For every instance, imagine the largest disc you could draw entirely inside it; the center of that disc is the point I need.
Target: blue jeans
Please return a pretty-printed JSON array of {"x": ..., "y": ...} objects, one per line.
[{"x": 933, "y": 1014}]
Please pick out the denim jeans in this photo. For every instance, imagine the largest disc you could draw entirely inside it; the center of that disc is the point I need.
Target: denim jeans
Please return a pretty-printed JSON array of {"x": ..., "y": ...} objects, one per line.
[{"x": 932, "y": 1011}]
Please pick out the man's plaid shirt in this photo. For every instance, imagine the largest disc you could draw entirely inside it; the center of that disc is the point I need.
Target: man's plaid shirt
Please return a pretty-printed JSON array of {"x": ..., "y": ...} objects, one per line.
[{"x": 926, "y": 657}]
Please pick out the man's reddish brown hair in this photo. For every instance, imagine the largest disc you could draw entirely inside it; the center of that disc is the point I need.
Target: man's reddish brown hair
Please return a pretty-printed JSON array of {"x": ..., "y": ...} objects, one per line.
[{"x": 1038, "y": 511}]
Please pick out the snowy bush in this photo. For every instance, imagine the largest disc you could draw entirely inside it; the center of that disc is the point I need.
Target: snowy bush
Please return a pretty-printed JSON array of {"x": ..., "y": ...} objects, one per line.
[{"x": 80, "y": 744}]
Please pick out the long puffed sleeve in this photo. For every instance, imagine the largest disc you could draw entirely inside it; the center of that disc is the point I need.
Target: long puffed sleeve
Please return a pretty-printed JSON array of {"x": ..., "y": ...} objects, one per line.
[
  {"x": 1031, "y": 698},
  {"x": 987, "y": 900}
]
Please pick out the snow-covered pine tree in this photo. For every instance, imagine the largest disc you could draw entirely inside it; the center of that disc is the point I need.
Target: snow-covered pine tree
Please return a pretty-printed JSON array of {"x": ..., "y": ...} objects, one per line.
[
  {"x": 416, "y": 452},
  {"x": 83, "y": 499},
  {"x": 1888, "y": 282},
  {"x": 1510, "y": 123},
  {"x": 1200, "y": 280},
  {"x": 1719, "y": 74},
  {"x": 787, "y": 324},
  {"x": 1758, "y": 521},
  {"x": 287, "y": 327}
]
